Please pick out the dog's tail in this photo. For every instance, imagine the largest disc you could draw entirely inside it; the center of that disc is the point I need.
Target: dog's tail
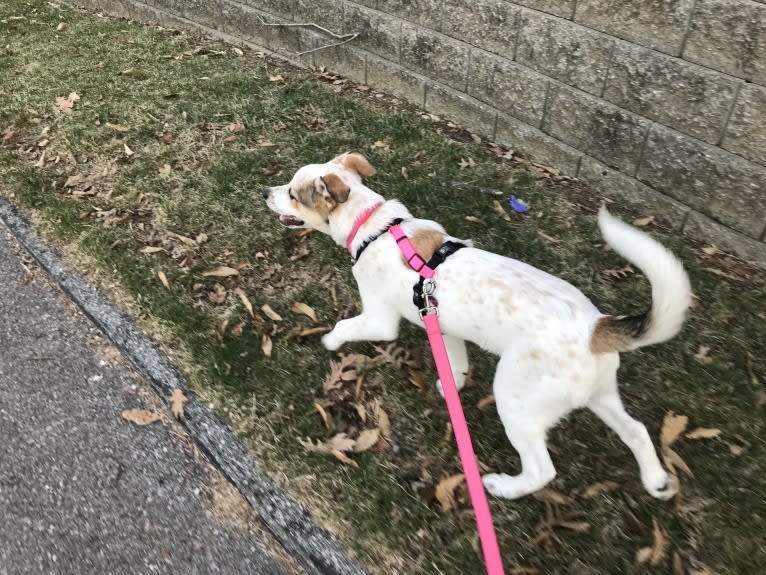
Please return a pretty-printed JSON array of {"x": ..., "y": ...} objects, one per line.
[{"x": 671, "y": 292}]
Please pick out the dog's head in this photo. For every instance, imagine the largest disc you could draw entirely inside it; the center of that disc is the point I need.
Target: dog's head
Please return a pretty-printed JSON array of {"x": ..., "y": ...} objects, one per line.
[{"x": 317, "y": 191}]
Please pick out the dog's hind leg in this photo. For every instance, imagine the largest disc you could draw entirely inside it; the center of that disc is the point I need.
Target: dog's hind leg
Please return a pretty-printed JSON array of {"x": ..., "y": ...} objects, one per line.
[
  {"x": 608, "y": 406},
  {"x": 458, "y": 359},
  {"x": 525, "y": 425}
]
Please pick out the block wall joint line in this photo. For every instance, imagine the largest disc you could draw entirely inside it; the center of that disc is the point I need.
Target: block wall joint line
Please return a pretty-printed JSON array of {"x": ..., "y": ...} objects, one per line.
[
  {"x": 688, "y": 29},
  {"x": 729, "y": 114},
  {"x": 643, "y": 148}
]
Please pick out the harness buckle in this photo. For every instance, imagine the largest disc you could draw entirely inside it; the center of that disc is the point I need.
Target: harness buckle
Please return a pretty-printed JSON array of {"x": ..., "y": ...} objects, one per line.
[{"x": 430, "y": 306}]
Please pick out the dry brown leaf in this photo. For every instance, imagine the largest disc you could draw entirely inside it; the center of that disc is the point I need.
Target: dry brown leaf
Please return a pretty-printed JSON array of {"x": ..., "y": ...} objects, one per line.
[
  {"x": 674, "y": 461},
  {"x": 140, "y": 416},
  {"x": 117, "y": 127},
  {"x": 313, "y": 331},
  {"x": 245, "y": 301},
  {"x": 221, "y": 272},
  {"x": 703, "y": 433},
  {"x": 486, "y": 402},
  {"x": 302, "y": 308},
  {"x": 445, "y": 491},
  {"x": 277, "y": 78},
  {"x": 548, "y": 495},
  {"x": 655, "y": 554},
  {"x": 466, "y": 163},
  {"x": 678, "y": 566},
  {"x": 127, "y": 150},
  {"x": 266, "y": 345},
  {"x": 217, "y": 295},
  {"x": 181, "y": 238},
  {"x": 500, "y": 210},
  {"x": 549, "y": 238},
  {"x": 643, "y": 555},
  {"x": 326, "y": 419},
  {"x": 475, "y": 220},
  {"x": 270, "y": 313},
  {"x": 384, "y": 423},
  {"x": 599, "y": 488},
  {"x": 576, "y": 526},
  {"x": 343, "y": 458},
  {"x": 74, "y": 180},
  {"x": 735, "y": 449},
  {"x": 62, "y": 26},
  {"x": 163, "y": 279},
  {"x": 641, "y": 222},
  {"x": 65, "y": 104},
  {"x": 177, "y": 401},
  {"x": 672, "y": 427},
  {"x": 338, "y": 442},
  {"x": 702, "y": 355},
  {"x": 703, "y": 570},
  {"x": 40, "y": 163},
  {"x": 367, "y": 439},
  {"x": 418, "y": 379},
  {"x": 151, "y": 250},
  {"x": 619, "y": 273},
  {"x": 381, "y": 145}
]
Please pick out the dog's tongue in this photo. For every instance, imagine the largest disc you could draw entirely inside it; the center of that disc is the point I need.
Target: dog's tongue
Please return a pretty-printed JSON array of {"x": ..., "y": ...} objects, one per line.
[{"x": 290, "y": 221}]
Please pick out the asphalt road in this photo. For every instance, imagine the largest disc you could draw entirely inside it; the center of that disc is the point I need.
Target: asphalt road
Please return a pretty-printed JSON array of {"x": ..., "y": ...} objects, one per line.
[{"x": 83, "y": 490}]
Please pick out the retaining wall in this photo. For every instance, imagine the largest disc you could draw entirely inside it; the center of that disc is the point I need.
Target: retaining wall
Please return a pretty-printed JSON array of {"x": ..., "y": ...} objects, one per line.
[{"x": 660, "y": 103}]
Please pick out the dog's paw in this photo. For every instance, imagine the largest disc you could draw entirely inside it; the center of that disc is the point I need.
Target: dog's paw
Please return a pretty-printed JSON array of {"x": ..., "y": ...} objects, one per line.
[
  {"x": 331, "y": 341},
  {"x": 499, "y": 485},
  {"x": 663, "y": 489}
]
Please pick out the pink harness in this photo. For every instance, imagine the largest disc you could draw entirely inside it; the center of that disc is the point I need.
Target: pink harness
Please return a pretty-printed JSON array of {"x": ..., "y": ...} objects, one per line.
[{"x": 430, "y": 316}]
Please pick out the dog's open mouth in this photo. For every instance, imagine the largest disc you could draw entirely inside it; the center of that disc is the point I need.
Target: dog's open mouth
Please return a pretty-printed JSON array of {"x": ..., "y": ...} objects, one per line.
[{"x": 290, "y": 221}]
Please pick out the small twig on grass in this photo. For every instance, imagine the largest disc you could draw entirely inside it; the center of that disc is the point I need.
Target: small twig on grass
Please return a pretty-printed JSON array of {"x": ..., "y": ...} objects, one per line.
[{"x": 344, "y": 38}]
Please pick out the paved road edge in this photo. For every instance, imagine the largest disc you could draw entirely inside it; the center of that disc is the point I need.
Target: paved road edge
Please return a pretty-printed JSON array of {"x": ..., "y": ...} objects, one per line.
[{"x": 287, "y": 520}]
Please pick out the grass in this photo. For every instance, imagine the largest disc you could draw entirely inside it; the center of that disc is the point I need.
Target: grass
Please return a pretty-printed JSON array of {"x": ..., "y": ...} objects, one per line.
[{"x": 168, "y": 147}]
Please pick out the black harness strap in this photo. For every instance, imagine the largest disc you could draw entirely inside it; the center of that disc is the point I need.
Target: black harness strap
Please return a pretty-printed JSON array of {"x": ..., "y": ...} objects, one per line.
[
  {"x": 447, "y": 249},
  {"x": 372, "y": 238}
]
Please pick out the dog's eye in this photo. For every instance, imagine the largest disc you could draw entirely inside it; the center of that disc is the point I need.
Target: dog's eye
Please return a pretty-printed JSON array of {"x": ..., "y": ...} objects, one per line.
[{"x": 291, "y": 194}]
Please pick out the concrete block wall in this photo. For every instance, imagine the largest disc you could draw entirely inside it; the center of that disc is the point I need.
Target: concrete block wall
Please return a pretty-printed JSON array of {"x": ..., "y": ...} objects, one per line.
[{"x": 659, "y": 103}]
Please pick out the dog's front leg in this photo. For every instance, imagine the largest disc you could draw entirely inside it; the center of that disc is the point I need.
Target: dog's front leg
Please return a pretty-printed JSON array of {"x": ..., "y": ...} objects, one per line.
[{"x": 373, "y": 324}]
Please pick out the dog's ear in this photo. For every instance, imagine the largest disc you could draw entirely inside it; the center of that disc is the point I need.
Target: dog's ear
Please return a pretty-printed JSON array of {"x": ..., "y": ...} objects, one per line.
[
  {"x": 333, "y": 189},
  {"x": 356, "y": 162}
]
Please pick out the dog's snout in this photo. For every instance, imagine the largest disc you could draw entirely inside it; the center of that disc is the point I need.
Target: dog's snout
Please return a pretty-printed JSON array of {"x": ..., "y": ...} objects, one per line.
[{"x": 266, "y": 193}]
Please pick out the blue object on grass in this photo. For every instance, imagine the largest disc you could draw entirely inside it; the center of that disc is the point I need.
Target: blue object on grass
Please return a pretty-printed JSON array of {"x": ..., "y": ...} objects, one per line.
[{"x": 518, "y": 205}]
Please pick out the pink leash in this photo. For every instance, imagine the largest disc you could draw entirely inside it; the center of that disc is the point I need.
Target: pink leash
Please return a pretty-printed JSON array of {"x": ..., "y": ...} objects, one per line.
[{"x": 430, "y": 316}]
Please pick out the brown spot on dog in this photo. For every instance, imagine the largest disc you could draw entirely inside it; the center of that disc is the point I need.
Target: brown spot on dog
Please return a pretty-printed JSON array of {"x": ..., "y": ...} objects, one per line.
[
  {"x": 316, "y": 197},
  {"x": 613, "y": 333},
  {"x": 426, "y": 242},
  {"x": 337, "y": 188},
  {"x": 358, "y": 163},
  {"x": 507, "y": 304}
]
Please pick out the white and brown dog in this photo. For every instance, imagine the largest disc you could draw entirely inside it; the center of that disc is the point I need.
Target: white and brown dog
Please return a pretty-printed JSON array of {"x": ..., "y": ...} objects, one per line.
[{"x": 557, "y": 351}]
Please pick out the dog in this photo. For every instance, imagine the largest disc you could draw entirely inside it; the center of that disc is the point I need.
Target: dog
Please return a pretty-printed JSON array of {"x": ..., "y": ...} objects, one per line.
[{"x": 557, "y": 351}]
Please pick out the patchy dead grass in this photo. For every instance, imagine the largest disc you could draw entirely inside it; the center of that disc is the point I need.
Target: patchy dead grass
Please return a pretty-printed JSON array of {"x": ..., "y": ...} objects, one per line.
[{"x": 150, "y": 181}]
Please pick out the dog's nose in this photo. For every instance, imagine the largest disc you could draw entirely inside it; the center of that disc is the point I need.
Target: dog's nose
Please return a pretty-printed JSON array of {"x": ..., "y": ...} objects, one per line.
[{"x": 266, "y": 193}]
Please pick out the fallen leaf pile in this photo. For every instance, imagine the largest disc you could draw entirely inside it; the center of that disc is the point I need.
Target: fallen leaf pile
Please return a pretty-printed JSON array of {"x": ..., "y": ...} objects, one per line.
[
  {"x": 351, "y": 413},
  {"x": 557, "y": 522}
]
